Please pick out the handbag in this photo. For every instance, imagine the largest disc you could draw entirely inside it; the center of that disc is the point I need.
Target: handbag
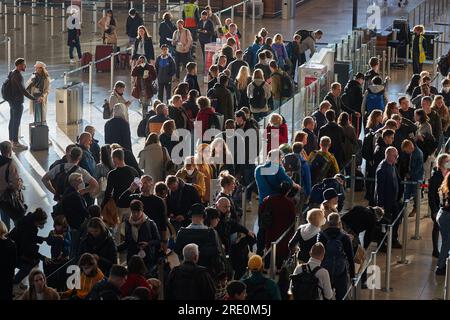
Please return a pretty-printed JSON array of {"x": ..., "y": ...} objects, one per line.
[
  {"x": 360, "y": 255},
  {"x": 11, "y": 201}
]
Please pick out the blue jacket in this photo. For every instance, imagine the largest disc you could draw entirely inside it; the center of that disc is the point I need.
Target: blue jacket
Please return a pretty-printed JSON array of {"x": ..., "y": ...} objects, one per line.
[
  {"x": 255, "y": 49},
  {"x": 87, "y": 161},
  {"x": 387, "y": 186},
  {"x": 268, "y": 184},
  {"x": 416, "y": 165},
  {"x": 306, "y": 176}
]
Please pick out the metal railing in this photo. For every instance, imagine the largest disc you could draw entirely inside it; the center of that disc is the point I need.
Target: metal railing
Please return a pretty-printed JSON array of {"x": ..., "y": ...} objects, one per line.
[{"x": 353, "y": 292}]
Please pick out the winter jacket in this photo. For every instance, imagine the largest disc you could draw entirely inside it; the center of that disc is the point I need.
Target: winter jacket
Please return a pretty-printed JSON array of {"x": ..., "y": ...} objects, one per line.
[
  {"x": 13, "y": 175},
  {"x": 223, "y": 101},
  {"x": 282, "y": 135},
  {"x": 103, "y": 246},
  {"x": 139, "y": 73},
  {"x": 305, "y": 237},
  {"x": 374, "y": 88},
  {"x": 180, "y": 201},
  {"x": 149, "y": 52},
  {"x": 207, "y": 118},
  {"x": 350, "y": 143},
  {"x": 192, "y": 81},
  {"x": 132, "y": 25},
  {"x": 165, "y": 69},
  {"x": 337, "y": 136},
  {"x": 352, "y": 97},
  {"x": 47, "y": 294},
  {"x": 114, "y": 99},
  {"x": 320, "y": 119},
  {"x": 335, "y": 102},
  {"x": 74, "y": 208},
  {"x": 197, "y": 179},
  {"x": 207, "y": 37},
  {"x": 270, "y": 286},
  {"x": 117, "y": 130},
  {"x": 152, "y": 160},
  {"x": 281, "y": 53},
  {"x": 25, "y": 235},
  {"x": 87, "y": 283},
  {"x": 433, "y": 190},
  {"x": 312, "y": 143},
  {"x": 235, "y": 66},
  {"x": 17, "y": 89},
  {"x": 388, "y": 188},
  {"x": 189, "y": 281},
  {"x": 269, "y": 177},
  {"x": 147, "y": 232},
  {"x": 165, "y": 31},
  {"x": 134, "y": 281}
]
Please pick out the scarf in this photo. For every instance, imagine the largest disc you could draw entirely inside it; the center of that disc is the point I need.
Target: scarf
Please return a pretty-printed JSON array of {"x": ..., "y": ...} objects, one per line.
[{"x": 135, "y": 225}]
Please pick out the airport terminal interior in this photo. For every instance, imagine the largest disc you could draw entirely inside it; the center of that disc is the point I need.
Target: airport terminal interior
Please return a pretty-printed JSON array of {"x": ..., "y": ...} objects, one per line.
[{"x": 185, "y": 226}]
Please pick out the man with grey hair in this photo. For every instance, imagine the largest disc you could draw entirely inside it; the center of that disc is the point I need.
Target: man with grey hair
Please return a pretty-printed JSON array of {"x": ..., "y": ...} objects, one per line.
[
  {"x": 73, "y": 206},
  {"x": 189, "y": 281},
  {"x": 55, "y": 180},
  {"x": 9, "y": 176},
  {"x": 388, "y": 191},
  {"x": 338, "y": 254}
]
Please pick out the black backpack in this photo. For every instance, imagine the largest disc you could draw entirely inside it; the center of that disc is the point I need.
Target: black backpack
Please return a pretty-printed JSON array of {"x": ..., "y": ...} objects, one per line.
[
  {"x": 6, "y": 88},
  {"x": 367, "y": 146},
  {"x": 287, "y": 89},
  {"x": 142, "y": 126},
  {"x": 259, "y": 96},
  {"x": 257, "y": 291},
  {"x": 61, "y": 180},
  {"x": 320, "y": 166},
  {"x": 106, "y": 110},
  {"x": 335, "y": 260},
  {"x": 305, "y": 286},
  {"x": 304, "y": 34}
]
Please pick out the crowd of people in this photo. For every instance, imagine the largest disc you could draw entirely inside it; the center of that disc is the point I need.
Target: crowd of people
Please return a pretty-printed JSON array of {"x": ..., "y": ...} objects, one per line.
[{"x": 112, "y": 210}]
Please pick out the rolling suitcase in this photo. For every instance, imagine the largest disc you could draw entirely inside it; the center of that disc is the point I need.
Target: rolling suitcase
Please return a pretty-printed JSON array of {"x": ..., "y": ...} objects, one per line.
[
  {"x": 102, "y": 51},
  {"x": 85, "y": 59},
  {"x": 38, "y": 137}
]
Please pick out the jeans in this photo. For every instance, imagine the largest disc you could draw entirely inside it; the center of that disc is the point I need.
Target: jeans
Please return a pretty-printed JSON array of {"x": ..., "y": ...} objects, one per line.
[
  {"x": 417, "y": 67},
  {"x": 16, "y": 110},
  {"x": 435, "y": 232},
  {"x": 340, "y": 283},
  {"x": 78, "y": 47},
  {"x": 443, "y": 219},
  {"x": 168, "y": 87},
  {"x": 182, "y": 58},
  {"x": 5, "y": 218},
  {"x": 410, "y": 192}
]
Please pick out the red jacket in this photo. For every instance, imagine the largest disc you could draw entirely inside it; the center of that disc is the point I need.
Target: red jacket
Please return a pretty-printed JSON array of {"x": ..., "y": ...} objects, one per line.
[
  {"x": 236, "y": 38},
  {"x": 138, "y": 72},
  {"x": 283, "y": 213},
  {"x": 282, "y": 135},
  {"x": 134, "y": 280},
  {"x": 204, "y": 115}
]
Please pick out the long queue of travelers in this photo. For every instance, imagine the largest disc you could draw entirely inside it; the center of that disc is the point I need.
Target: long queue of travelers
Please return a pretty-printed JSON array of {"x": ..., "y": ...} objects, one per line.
[{"x": 118, "y": 218}]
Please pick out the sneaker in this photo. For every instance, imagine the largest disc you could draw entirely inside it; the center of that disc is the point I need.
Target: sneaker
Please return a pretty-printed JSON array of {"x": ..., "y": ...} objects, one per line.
[
  {"x": 440, "y": 271},
  {"x": 18, "y": 146},
  {"x": 72, "y": 61}
]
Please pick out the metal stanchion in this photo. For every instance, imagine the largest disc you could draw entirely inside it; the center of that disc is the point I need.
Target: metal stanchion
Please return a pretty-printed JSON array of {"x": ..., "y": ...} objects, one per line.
[
  {"x": 388, "y": 65},
  {"x": 46, "y": 10},
  {"x": 112, "y": 72},
  {"x": 244, "y": 206},
  {"x": 383, "y": 65},
  {"x": 253, "y": 13},
  {"x": 63, "y": 15},
  {"x": 91, "y": 73},
  {"x": 447, "y": 280},
  {"x": 159, "y": 8},
  {"x": 154, "y": 26},
  {"x": 20, "y": 6},
  {"x": 418, "y": 200},
  {"x": 181, "y": 9},
  {"x": 143, "y": 8},
  {"x": 352, "y": 181},
  {"x": 94, "y": 17},
  {"x": 15, "y": 16},
  {"x": 111, "y": 4},
  {"x": 404, "y": 237},
  {"x": 6, "y": 20},
  {"x": 243, "y": 23},
  {"x": 356, "y": 288},
  {"x": 388, "y": 260},
  {"x": 420, "y": 15},
  {"x": 232, "y": 13},
  {"x": 65, "y": 78},
  {"x": 33, "y": 12},
  {"x": 103, "y": 13},
  {"x": 373, "y": 256},
  {"x": 24, "y": 30},
  {"x": 292, "y": 117},
  {"x": 8, "y": 46},
  {"x": 52, "y": 23},
  {"x": 273, "y": 261},
  {"x": 435, "y": 55}
]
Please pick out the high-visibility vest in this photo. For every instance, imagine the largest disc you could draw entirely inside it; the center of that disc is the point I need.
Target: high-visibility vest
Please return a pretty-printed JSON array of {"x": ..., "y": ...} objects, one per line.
[
  {"x": 189, "y": 15},
  {"x": 422, "y": 55}
]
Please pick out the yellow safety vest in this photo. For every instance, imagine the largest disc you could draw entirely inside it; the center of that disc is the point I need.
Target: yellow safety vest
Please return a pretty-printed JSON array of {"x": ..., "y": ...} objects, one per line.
[
  {"x": 422, "y": 55},
  {"x": 189, "y": 15}
]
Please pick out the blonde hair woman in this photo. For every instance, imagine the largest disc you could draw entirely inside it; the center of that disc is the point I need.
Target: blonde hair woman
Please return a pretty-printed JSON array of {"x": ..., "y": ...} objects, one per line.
[
  {"x": 39, "y": 86},
  {"x": 280, "y": 51},
  {"x": 243, "y": 79},
  {"x": 202, "y": 163},
  {"x": 375, "y": 120},
  {"x": 417, "y": 48},
  {"x": 439, "y": 106},
  {"x": 258, "y": 108},
  {"x": 38, "y": 288}
]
